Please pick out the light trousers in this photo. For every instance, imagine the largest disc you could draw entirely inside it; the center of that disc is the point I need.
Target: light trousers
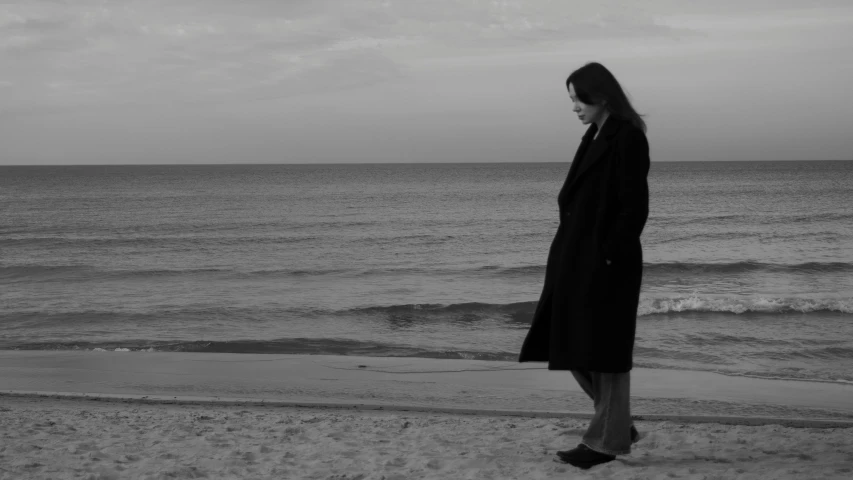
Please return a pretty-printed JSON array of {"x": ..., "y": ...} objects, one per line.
[{"x": 610, "y": 428}]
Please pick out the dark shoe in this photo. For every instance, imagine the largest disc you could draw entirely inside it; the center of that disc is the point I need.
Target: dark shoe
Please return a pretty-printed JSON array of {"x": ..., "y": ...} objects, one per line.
[
  {"x": 584, "y": 457},
  {"x": 635, "y": 437}
]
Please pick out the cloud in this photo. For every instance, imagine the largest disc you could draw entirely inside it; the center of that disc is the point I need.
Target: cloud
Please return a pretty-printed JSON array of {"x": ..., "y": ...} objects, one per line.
[
  {"x": 166, "y": 51},
  {"x": 87, "y": 53},
  {"x": 763, "y": 21}
]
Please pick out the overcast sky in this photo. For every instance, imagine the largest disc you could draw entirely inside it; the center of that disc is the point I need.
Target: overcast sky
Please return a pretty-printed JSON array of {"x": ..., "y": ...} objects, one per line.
[{"x": 306, "y": 81}]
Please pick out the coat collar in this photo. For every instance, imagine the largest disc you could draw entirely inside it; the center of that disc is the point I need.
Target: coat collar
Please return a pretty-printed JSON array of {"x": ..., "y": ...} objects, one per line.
[
  {"x": 611, "y": 126},
  {"x": 591, "y": 151}
]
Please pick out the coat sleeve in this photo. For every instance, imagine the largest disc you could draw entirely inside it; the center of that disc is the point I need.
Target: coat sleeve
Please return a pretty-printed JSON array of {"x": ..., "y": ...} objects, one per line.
[{"x": 632, "y": 192}]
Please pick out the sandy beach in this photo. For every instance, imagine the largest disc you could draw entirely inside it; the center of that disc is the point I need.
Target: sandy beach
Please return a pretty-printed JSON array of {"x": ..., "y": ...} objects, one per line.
[
  {"x": 65, "y": 438},
  {"x": 110, "y": 415}
]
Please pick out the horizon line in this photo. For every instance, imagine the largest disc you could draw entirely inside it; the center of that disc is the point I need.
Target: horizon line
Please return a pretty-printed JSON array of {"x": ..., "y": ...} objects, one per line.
[{"x": 381, "y": 163}]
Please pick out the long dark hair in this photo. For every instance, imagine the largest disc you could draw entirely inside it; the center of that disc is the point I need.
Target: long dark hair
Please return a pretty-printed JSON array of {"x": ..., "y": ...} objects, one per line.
[{"x": 595, "y": 85}]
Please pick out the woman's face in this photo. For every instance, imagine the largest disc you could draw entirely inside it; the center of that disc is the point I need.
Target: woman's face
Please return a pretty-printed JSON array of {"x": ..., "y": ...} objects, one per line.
[{"x": 586, "y": 113}]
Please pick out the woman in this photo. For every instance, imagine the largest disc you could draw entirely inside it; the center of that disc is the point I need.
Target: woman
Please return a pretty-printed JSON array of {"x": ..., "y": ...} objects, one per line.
[{"x": 587, "y": 312}]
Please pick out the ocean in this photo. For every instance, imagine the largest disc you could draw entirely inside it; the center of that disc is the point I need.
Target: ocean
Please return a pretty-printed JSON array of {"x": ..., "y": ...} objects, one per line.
[{"x": 748, "y": 265}]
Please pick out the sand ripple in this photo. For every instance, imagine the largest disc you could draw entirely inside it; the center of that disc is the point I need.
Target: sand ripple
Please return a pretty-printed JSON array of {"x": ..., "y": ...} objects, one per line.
[{"x": 55, "y": 438}]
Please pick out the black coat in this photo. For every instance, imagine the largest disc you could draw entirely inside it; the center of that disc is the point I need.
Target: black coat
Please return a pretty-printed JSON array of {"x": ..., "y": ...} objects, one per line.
[{"x": 587, "y": 313}]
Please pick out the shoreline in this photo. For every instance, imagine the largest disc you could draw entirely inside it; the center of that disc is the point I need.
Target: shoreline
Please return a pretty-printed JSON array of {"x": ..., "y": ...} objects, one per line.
[
  {"x": 412, "y": 382},
  {"x": 108, "y": 415},
  {"x": 637, "y": 365}
]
